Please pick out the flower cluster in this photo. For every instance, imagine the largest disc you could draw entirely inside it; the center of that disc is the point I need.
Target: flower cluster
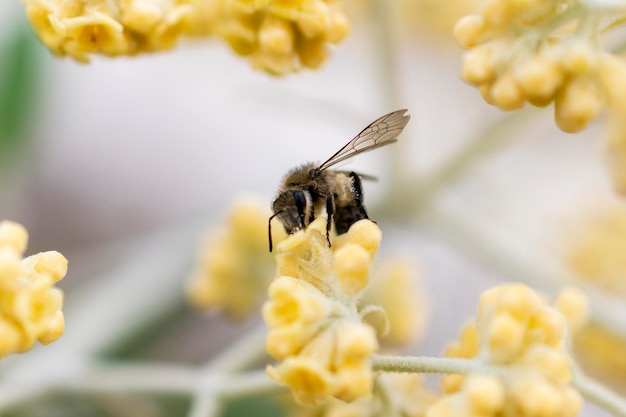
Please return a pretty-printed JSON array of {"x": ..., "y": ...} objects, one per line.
[
  {"x": 394, "y": 395},
  {"x": 397, "y": 289},
  {"x": 597, "y": 252},
  {"x": 30, "y": 306},
  {"x": 110, "y": 27},
  {"x": 279, "y": 36},
  {"x": 313, "y": 314},
  {"x": 234, "y": 266},
  {"x": 539, "y": 51},
  {"x": 282, "y": 36},
  {"x": 596, "y": 255},
  {"x": 520, "y": 335}
]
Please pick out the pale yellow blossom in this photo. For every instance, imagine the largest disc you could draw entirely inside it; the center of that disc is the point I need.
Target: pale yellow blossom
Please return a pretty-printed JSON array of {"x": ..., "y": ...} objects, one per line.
[
  {"x": 517, "y": 330},
  {"x": 550, "y": 51},
  {"x": 313, "y": 313},
  {"x": 30, "y": 305},
  {"x": 397, "y": 288},
  {"x": 282, "y": 36},
  {"x": 394, "y": 395},
  {"x": 278, "y": 36},
  {"x": 80, "y": 28},
  {"x": 435, "y": 17},
  {"x": 235, "y": 267},
  {"x": 596, "y": 250},
  {"x": 601, "y": 352},
  {"x": 539, "y": 52}
]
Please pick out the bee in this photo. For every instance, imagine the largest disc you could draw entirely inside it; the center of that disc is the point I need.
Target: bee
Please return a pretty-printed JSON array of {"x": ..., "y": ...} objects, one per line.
[{"x": 306, "y": 190}]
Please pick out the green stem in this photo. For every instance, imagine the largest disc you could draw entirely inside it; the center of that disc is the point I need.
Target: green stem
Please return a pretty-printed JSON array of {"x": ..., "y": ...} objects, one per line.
[
  {"x": 95, "y": 378},
  {"x": 590, "y": 389},
  {"x": 599, "y": 394},
  {"x": 491, "y": 250},
  {"x": 414, "y": 194},
  {"x": 386, "y": 58},
  {"x": 242, "y": 353},
  {"x": 426, "y": 364},
  {"x": 493, "y": 138}
]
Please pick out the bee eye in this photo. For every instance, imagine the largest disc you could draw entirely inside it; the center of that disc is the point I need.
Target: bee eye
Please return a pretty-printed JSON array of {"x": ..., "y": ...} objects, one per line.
[
  {"x": 300, "y": 201},
  {"x": 300, "y": 206}
]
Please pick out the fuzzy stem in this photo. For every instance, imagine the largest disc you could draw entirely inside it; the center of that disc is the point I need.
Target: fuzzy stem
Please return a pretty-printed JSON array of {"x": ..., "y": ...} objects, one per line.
[
  {"x": 493, "y": 138},
  {"x": 599, "y": 394},
  {"x": 383, "y": 23},
  {"x": 491, "y": 250},
  {"x": 424, "y": 191},
  {"x": 426, "y": 365},
  {"x": 589, "y": 388},
  {"x": 95, "y": 378},
  {"x": 242, "y": 353}
]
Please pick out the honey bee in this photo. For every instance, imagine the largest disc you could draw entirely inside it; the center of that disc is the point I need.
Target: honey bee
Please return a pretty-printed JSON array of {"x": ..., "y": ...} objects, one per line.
[{"x": 306, "y": 190}]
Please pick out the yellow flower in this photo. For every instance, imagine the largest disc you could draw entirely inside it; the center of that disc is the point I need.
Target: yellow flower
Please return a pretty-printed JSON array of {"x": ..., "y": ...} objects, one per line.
[
  {"x": 394, "y": 395},
  {"x": 30, "y": 306},
  {"x": 595, "y": 254},
  {"x": 235, "y": 267},
  {"x": 435, "y": 17},
  {"x": 296, "y": 312},
  {"x": 333, "y": 363},
  {"x": 519, "y": 331},
  {"x": 282, "y": 36},
  {"x": 596, "y": 251},
  {"x": 601, "y": 351},
  {"x": 397, "y": 289},
  {"x": 278, "y": 36},
  {"x": 538, "y": 51},
  {"x": 313, "y": 313},
  {"x": 613, "y": 76},
  {"x": 79, "y": 28}
]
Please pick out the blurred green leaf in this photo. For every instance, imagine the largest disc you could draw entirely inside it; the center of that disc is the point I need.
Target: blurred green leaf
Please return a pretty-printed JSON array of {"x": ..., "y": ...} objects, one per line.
[
  {"x": 101, "y": 405},
  {"x": 19, "y": 86},
  {"x": 257, "y": 406}
]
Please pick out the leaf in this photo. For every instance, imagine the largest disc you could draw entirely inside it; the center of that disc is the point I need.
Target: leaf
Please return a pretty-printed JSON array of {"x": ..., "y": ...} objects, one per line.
[{"x": 19, "y": 86}]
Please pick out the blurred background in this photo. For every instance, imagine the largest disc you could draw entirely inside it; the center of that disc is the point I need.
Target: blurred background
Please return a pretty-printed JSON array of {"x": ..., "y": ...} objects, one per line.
[{"x": 100, "y": 161}]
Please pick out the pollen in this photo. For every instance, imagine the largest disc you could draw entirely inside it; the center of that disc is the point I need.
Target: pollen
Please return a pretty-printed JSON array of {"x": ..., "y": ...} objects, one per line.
[{"x": 30, "y": 304}]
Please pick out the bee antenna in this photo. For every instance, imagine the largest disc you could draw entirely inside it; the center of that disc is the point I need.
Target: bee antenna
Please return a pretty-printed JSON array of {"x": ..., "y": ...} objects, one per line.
[{"x": 269, "y": 227}]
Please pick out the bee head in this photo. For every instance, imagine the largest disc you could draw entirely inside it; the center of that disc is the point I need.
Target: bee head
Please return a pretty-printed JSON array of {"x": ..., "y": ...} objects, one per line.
[{"x": 293, "y": 208}]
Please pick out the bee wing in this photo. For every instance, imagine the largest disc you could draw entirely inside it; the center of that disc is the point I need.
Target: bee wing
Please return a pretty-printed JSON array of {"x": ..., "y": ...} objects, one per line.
[{"x": 382, "y": 131}]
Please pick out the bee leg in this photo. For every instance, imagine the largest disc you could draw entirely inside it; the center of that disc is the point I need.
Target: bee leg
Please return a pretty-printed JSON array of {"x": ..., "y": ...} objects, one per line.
[
  {"x": 330, "y": 211},
  {"x": 357, "y": 189}
]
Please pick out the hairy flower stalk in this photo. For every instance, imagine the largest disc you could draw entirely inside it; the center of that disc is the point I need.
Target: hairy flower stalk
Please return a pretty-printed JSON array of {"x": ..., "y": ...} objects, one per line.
[
  {"x": 30, "y": 305},
  {"x": 314, "y": 317}
]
